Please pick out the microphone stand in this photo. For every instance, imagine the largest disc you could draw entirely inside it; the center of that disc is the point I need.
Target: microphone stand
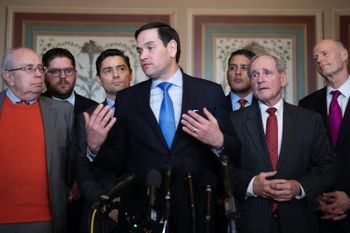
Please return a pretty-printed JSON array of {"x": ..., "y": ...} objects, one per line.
[{"x": 229, "y": 202}]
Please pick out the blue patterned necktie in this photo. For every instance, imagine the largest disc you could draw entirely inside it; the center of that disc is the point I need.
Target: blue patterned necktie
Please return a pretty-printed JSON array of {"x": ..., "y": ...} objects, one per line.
[{"x": 166, "y": 115}]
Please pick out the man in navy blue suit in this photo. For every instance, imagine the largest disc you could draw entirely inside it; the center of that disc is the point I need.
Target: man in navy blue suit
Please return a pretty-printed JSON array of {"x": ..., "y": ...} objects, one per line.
[
  {"x": 140, "y": 143},
  {"x": 113, "y": 73}
]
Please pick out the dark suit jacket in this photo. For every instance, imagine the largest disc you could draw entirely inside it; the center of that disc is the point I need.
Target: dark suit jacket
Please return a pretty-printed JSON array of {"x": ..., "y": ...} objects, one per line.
[
  {"x": 60, "y": 147},
  {"x": 228, "y": 99},
  {"x": 143, "y": 147},
  {"x": 305, "y": 156},
  {"x": 317, "y": 102},
  {"x": 81, "y": 103},
  {"x": 92, "y": 181}
]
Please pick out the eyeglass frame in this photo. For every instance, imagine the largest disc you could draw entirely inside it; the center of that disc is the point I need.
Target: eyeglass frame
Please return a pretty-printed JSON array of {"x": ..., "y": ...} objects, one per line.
[
  {"x": 29, "y": 69},
  {"x": 65, "y": 70}
]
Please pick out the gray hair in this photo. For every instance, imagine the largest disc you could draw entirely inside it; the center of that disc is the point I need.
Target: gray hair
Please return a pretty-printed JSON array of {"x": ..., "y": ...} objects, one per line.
[
  {"x": 7, "y": 62},
  {"x": 279, "y": 63}
]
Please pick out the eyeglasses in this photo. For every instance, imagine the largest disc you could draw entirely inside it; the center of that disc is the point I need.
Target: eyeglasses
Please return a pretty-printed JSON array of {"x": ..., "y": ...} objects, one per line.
[
  {"x": 29, "y": 69},
  {"x": 57, "y": 72}
]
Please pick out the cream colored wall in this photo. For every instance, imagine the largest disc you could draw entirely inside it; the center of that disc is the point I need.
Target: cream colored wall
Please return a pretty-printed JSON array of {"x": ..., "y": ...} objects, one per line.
[{"x": 181, "y": 9}]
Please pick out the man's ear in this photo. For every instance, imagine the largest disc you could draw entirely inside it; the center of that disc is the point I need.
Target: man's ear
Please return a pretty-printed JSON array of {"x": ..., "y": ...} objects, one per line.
[
  {"x": 8, "y": 78},
  {"x": 172, "y": 46}
]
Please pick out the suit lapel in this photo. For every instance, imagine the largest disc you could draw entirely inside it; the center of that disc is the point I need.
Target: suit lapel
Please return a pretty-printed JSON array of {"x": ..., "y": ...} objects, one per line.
[
  {"x": 256, "y": 132},
  {"x": 49, "y": 127},
  {"x": 323, "y": 106},
  {"x": 289, "y": 132},
  {"x": 2, "y": 97},
  {"x": 344, "y": 127},
  {"x": 188, "y": 103}
]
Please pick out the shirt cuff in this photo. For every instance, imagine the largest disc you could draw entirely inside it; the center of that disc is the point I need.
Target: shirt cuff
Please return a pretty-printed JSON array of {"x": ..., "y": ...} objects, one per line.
[
  {"x": 217, "y": 152},
  {"x": 90, "y": 155},
  {"x": 250, "y": 192},
  {"x": 302, "y": 195}
]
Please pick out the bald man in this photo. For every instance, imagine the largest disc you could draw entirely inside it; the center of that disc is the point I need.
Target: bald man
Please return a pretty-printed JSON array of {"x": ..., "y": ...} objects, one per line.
[
  {"x": 331, "y": 59},
  {"x": 36, "y": 149}
]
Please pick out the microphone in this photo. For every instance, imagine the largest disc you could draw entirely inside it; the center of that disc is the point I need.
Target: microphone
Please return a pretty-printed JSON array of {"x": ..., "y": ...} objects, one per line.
[
  {"x": 189, "y": 170},
  {"x": 167, "y": 185},
  {"x": 153, "y": 180},
  {"x": 210, "y": 183},
  {"x": 123, "y": 181},
  {"x": 229, "y": 202}
]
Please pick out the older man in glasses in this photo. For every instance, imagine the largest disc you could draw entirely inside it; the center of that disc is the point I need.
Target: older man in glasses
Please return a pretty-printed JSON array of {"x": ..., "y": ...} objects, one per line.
[
  {"x": 37, "y": 144},
  {"x": 61, "y": 76}
]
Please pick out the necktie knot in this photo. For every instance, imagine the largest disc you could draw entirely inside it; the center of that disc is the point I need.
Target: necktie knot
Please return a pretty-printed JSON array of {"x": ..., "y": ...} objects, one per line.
[
  {"x": 336, "y": 94},
  {"x": 242, "y": 103},
  {"x": 271, "y": 111},
  {"x": 165, "y": 86}
]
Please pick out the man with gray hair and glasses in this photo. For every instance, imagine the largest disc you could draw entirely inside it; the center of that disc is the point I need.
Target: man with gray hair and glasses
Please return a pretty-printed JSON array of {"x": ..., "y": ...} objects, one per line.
[{"x": 37, "y": 144}]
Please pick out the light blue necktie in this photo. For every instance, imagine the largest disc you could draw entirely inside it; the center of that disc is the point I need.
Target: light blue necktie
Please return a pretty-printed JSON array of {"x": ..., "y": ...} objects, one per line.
[{"x": 166, "y": 114}]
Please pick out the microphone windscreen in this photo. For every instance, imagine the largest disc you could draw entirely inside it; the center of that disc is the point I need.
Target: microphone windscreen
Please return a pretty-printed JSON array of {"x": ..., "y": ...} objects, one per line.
[
  {"x": 188, "y": 166},
  {"x": 153, "y": 177},
  {"x": 209, "y": 179}
]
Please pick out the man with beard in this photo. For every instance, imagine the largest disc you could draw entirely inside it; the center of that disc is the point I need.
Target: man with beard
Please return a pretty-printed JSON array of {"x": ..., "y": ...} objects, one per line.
[
  {"x": 241, "y": 94},
  {"x": 60, "y": 80}
]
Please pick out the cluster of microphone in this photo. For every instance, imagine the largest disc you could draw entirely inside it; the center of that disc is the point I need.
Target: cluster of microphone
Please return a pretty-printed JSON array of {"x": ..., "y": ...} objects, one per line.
[{"x": 153, "y": 221}]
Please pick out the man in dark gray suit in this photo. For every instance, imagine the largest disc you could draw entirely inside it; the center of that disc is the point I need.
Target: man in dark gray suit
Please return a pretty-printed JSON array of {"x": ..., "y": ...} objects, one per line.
[
  {"x": 60, "y": 79},
  {"x": 286, "y": 159},
  {"x": 331, "y": 59},
  {"x": 37, "y": 144}
]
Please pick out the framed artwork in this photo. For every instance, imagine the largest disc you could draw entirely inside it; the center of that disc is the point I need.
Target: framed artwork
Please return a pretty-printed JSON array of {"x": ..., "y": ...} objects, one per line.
[
  {"x": 289, "y": 35},
  {"x": 85, "y": 35},
  {"x": 342, "y": 19}
]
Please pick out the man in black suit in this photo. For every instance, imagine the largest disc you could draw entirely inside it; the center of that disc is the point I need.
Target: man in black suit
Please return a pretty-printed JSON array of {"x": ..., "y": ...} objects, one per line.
[
  {"x": 286, "y": 160},
  {"x": 331, "y": 59},
  {"x": 241, "y": 94},
  {"x": 114, "y": 74},
  {"x": 143, "y": 146},
  {"x": 60, "y": 80}
]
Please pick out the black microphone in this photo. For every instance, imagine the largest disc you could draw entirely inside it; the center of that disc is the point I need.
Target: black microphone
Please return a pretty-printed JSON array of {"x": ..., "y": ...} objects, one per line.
[
  {"x": 153, "y": 180},
  {"x": 123, "y": 181},
  {"x": 189, "y": 171},
  {"x": 229, "y": 202},
  {"x": 210, "y": 183},
  {"x": 167, "y": 187}
]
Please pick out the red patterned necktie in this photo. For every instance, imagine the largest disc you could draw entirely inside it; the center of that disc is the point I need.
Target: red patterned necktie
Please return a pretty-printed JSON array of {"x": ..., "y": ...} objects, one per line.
[
  {"x": 334, "y": 117},
  {"x": 242, "y": 103},
  {"x": 271, "y": 138}
]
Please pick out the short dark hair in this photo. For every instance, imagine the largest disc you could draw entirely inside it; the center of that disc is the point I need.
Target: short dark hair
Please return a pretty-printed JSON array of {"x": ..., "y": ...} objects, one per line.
[
  {"x": 165, "y": 32},
  {"x": 53, "y": 53},
  {"x": 244, "y": 52},
  {"x": 110, "y": 53}
]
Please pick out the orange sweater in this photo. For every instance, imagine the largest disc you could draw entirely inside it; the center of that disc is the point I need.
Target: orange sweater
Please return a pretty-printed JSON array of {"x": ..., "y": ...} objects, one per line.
[{"x": 23, "y": 175}]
